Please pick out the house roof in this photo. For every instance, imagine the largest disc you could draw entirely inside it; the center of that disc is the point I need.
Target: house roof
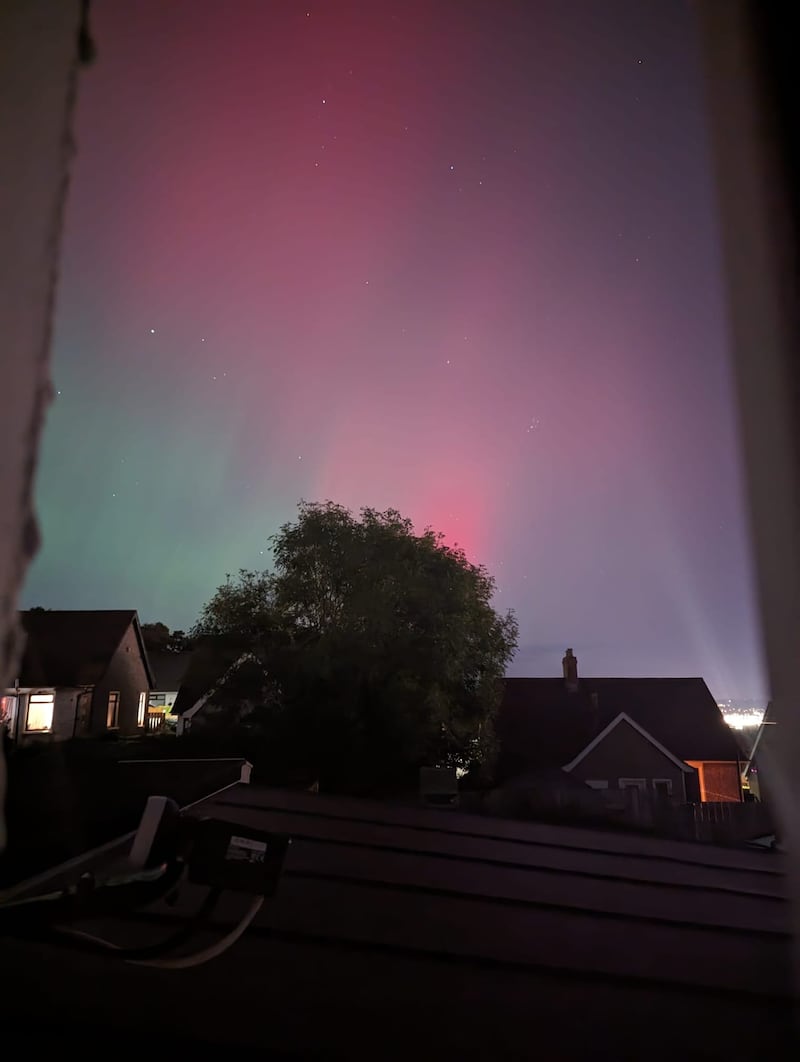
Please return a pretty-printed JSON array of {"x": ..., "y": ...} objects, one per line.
[
  {"x": 540, "y": 723},
  {"x": 169, "y": 669},
  {"x": 625, "y": 720},
  {"x": 74, "y": 648},
  {"x": 207, "y": 667}
]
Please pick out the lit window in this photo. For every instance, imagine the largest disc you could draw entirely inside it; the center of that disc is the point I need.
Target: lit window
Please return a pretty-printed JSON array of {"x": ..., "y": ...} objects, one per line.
[
  {"x": 142, "y": 713},
  {"x": 112, "y": 716},
  {"x": 40, "y": 712},
  {"x": 8, "y": 711}
]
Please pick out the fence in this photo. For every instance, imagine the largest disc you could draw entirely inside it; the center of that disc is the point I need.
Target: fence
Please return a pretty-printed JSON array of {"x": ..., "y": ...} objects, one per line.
[{"x": 713, "y": 823}]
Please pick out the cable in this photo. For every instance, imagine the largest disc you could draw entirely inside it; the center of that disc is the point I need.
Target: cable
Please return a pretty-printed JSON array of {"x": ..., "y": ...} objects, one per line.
[
  {"x": 184, "y": 962},
  {"x": 35, "y": 916},
  {"x": 150, "y": 951}
]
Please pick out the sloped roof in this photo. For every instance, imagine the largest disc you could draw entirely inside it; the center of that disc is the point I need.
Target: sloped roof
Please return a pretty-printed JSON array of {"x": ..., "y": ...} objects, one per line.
[
  {"x": 540, "y": 723},
  {"x": 207, "y": 667},
  {"x": 74, "y": 648},
  {"x": 169, "y": 669}
]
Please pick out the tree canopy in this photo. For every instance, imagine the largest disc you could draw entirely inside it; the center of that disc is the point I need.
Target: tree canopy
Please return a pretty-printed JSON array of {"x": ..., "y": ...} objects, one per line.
[
  {"x": 158, "y": 637},
  {"x": 384, "y": 643}
]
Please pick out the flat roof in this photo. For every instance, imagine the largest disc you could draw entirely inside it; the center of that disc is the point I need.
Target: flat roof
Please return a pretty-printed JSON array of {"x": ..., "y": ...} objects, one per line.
[{"x": 398, "y": 926}]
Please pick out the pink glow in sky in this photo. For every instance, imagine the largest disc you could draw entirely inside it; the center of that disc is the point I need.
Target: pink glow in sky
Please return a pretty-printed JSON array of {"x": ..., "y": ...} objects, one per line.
[{"x": 458, "y": 259}]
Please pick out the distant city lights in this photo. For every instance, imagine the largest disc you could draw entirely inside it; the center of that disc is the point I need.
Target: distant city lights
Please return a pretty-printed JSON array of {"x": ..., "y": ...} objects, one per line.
[{"x": 740, "y": 718}]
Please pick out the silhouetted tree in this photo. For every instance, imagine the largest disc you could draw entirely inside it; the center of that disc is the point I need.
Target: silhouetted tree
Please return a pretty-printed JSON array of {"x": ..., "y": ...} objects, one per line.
[
  {"x": 158, "y": 638},
  {"x": 384, "y": 643}
]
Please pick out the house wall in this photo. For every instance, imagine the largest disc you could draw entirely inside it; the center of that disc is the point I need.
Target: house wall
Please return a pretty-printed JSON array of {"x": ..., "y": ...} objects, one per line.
[
  {"x": 625, "y": 753},
  {"x": 720, "y": 780},
  {"x": 127, "y": 674},
  {"x": 64, "y": 714}
]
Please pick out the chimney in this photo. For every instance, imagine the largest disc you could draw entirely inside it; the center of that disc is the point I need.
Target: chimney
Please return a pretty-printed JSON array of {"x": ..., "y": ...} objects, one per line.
[{"x": 569, "y": 666}]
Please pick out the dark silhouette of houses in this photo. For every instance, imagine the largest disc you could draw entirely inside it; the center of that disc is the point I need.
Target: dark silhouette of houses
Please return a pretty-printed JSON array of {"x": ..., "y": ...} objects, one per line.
[
  {"x": 662, "y": 735},
  {"x": 82, "y": 673},
  {"x": 218, "y": 682}
]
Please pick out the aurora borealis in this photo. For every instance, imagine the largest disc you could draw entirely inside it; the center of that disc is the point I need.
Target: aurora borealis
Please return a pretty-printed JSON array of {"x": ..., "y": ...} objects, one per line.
[{"x": 454, "y": 258}]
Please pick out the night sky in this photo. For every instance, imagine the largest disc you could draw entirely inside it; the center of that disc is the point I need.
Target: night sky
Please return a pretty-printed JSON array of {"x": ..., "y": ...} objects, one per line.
[{"x": 454, "y": 258}]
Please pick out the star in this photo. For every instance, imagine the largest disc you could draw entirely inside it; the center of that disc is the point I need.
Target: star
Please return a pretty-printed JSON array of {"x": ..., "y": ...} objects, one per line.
[
  {"x": 324, "y": 101},
  {"x": 152, "y": 331}
]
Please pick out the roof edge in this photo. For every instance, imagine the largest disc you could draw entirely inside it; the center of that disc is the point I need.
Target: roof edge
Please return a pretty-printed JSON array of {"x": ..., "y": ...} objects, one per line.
[{"x": 623, "y": 717}]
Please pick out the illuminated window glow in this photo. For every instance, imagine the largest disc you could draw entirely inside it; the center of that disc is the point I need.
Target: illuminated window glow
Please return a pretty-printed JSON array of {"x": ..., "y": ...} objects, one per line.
[
  {"x": 142, "y": 713},
  {"x": 8, "y": 711},
  {"x": 39, "y": 718},
  {"x": 112, "y": 715}
]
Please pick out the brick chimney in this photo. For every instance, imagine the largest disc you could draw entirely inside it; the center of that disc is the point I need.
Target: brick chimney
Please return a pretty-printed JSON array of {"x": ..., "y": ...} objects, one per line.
[{"x": 569, "y": 666}]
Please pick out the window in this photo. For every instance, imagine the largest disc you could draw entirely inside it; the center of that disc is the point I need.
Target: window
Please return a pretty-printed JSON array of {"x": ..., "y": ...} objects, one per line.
[
  {"x": 663, "y": 787},
  {"x": 8, "y": 712},
  {"x": 597, "y": 783},
  {"x": 40, "y": 712},
  {"x": 633, "y": 783},
  {"x": 141, "y": 715},
  {"x": 112, "y": 716}
]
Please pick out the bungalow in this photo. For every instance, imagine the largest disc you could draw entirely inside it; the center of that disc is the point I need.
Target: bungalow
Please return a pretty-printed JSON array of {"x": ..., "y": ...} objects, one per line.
[
  {"x": 659, "y": 735},
  {"x": 82, "y": 673}
]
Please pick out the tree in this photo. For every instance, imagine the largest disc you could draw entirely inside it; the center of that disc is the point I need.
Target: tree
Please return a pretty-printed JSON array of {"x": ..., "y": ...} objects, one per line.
[
  {"x": 384, "y": 643},
  {"x": 157, "y": 637}
]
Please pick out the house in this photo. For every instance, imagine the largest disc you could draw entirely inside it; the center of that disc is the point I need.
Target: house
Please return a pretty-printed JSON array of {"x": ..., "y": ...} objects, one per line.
[
  {"x": 664, "y": 736},
  {"x": 169, "y": 671},
  {"x": 82, "y": 673},
  {"x": 218, "y": 676}
]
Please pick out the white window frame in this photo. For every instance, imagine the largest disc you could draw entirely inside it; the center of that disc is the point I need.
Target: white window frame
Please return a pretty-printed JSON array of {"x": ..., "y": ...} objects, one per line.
[
  {"x": 40, "y": 699},
  {"x": 115, "y": 724},
  {"x": 663, "y": 781},
  {"x": 597, "y": 783},
  {"x": 633, "y": 783},
  {"x": 141, "y": 713}
]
